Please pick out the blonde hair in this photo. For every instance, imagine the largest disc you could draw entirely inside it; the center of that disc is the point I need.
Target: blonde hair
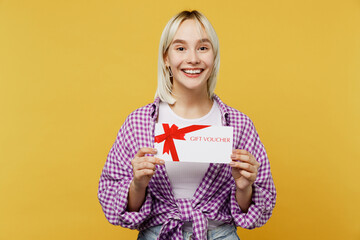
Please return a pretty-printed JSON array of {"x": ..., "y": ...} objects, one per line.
[{"x": 164, "y": 87}]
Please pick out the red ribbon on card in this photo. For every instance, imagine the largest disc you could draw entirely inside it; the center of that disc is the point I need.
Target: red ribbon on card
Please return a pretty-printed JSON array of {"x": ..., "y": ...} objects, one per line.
[{"x": 175, "y": 133}]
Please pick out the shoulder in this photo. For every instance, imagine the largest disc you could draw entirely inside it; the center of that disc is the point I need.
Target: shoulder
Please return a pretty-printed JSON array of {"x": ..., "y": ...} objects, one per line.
[
  {"x": 140, "y": 121},
  {"x": 141, "y": 114},
  {"x": 137, "y": 123},
  {"x": 245, "y": 134},
  {"x": 237, "y": 117},
  {"x": 234, "y": 117}
]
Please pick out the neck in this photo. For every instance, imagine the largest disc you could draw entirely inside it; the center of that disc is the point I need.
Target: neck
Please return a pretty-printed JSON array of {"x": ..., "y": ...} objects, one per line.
[{"x": 191, "y": 104}]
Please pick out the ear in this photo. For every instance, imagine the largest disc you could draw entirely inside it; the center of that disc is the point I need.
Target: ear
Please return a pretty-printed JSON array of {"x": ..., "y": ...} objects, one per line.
[{"x": 166, "y": 60}]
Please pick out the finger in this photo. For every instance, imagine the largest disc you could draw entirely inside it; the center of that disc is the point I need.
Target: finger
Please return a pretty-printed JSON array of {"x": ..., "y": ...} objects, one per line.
[
  {"x": 240, "y": 151},
  {"x": 144, "y": 172},
  {"x": 153, "y": 160},
  {"x": 256, "y": 163},
  {"x": 239, "y": 157},
  {"x": 138, "y": 163},
  {"x": 243, "y": 166},
  {"x": 253, "y": 160},
  {"x": 144, "y": 165},
  {"x": 145, "y": 150},
  {"x": 157, "y": 161},
  {"x": 249, "y": 176}
]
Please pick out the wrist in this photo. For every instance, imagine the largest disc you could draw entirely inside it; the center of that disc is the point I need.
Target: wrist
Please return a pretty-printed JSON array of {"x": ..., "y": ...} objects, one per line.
[
  {"x": 244, "y": 198},
  {"x": 136, "y": 187},
  {"x": 136, "y": 197},
  {"x": 243, "y": 190}
]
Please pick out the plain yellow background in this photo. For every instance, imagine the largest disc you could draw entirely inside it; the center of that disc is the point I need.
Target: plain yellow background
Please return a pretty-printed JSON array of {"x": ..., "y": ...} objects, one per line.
[{"x": 71, "y": 71}]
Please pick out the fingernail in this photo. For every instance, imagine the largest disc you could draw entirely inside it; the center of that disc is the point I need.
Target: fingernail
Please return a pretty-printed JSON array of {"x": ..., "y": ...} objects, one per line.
[
  {"x": 162, "y": 161},
  {"x": 154, "y": 150},
  {"x": 233, "y": 155}
]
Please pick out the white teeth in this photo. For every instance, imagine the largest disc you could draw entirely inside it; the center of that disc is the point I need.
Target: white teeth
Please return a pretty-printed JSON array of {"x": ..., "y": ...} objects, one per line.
[{"x": 192, "y": 71}]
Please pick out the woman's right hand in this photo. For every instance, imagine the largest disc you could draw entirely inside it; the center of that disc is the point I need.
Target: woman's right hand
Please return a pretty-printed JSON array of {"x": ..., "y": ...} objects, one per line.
[{"x": 144, "y": 167}]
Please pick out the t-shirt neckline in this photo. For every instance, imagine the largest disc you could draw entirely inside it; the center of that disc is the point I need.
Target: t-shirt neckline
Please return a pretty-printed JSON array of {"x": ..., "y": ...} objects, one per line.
[{"x": 192, "y": 119}]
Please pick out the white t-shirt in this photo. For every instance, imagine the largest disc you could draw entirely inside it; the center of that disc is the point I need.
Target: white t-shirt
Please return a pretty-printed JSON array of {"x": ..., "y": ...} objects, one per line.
[{"x": 185, "y": 177}]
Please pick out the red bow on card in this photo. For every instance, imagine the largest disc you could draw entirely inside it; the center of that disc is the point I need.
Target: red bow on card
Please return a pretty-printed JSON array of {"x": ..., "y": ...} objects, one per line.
[{"x": 175, "y": 133}]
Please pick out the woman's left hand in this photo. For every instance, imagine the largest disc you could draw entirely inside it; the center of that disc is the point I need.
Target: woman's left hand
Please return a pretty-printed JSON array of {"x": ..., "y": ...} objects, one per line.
[{"x": 244, "y": 168}]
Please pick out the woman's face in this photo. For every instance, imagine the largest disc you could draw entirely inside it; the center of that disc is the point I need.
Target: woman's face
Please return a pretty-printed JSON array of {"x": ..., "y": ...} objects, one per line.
[{"x": 190, "y": 57}]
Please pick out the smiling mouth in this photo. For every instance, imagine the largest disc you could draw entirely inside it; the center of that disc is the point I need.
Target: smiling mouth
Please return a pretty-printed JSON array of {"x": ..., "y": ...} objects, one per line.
[{"x": 192, "y": 71}]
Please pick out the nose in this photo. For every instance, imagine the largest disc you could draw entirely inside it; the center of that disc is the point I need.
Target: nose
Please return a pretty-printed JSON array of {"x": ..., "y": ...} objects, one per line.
[{"x": 193, "y": 57}]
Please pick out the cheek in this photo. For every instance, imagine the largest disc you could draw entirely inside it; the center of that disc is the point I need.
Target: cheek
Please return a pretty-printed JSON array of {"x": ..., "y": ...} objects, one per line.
[
  {"x": 175, "y": 62},
  {"x": 210, "y": 65},
  {"x": 209, "y": 60}
]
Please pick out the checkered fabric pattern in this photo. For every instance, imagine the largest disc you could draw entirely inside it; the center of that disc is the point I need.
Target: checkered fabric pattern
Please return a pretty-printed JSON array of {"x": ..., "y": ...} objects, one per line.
[{"x": 214, "y": 198}]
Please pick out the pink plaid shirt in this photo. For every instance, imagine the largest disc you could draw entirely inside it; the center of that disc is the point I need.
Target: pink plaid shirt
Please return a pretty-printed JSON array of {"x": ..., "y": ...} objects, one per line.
[{"x": 214, "y": 198}]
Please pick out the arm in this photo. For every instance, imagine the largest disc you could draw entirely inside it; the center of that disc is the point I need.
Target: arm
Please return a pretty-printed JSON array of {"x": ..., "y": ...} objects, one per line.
[
  {"x": 143, "y": 169},
  {"x": 244, "y": 171},
  {"x": 254, "y": 211},
  {"x": 136, "y": 198},
  {"x": 116, "y": 179},
  {"x": 243, "y": 198}
]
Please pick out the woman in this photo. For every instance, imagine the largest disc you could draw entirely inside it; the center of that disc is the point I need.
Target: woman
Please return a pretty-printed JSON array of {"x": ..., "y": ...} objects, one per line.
[{"x": 183, "y": 200}]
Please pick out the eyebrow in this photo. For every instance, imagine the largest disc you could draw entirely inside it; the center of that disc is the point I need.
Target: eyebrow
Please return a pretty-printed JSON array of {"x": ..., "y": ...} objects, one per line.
[{"x": 183, "y": 41}]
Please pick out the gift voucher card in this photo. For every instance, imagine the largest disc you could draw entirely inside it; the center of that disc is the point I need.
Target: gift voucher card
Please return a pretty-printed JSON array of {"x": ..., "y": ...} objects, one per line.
[{"x": 193, "y": 143}]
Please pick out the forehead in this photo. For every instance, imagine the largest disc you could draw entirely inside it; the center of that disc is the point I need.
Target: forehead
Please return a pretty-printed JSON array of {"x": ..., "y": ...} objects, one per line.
[{"x": 190, "y": 30}]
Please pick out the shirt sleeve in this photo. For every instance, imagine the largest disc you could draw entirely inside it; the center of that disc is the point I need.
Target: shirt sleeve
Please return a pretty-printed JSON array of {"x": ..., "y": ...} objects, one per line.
[
  {"x": 264, "y": 193},
  {"x": 115, "y": 181}
]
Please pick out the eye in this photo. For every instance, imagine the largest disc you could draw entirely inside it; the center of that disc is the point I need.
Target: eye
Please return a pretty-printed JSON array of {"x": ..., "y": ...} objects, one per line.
[
  {"x": 203, "y": 48},
  {"x": 180, "y": 49}
]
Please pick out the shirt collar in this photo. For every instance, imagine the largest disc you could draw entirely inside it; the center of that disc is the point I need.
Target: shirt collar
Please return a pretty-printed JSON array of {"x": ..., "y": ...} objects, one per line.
[{"x": 154, "y": 111}]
